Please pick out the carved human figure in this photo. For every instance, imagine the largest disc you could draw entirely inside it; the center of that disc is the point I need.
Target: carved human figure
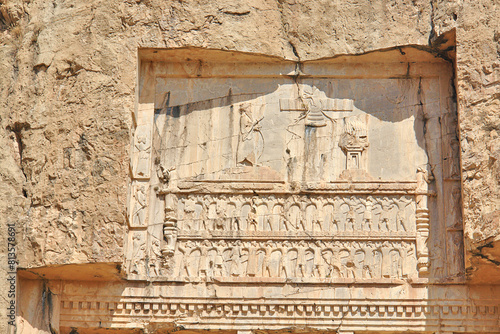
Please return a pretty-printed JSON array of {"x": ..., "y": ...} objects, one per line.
[
  {"x": 301, "y": 260},
  {"x": 283, "y": 268},
  {"x": 292, "y": 257},
  {"x": 455, "y": 254},
  {"x": 139, "y": 214},
  {"x": 328, "y": 217},
  {"x": 408, "y": 259},
  {"x": 204, "y": 265},
  {"x": 189, "y": 224},
  {"x": 363, "y": 270},
  {"x": 253, "y": 261},
  {"x": 268, "y": 224},
  {"x": 377, "y": 263},
  {"x": 266, "y": 271},
  {"x": 219, "y": 261},
  {"x": 350, "y": 219},
  {"x": 252, "y": 223},
  {"x": 319, "y": 268},
  {"x": 251, "y": 140},
  {"x": 278, "y": 217},
  {"x": 235, "y": 223},
  {"x": 317, "y": 224},
  {"x": 190, "y": 259},
  {"x": 273, "y": 263},
  {"x": 203, "y": 219},
  {"x": 219, "y": 222},
  {"x": 456, "y": 208},
  {"x": 437, "y": 260},
  {"x": 396, "y": 264},
  {"x": 336, "y": 223},
  {"x": 401, "y": 221},
  {"x": 383, "y": 223},
  {"x": 155, "y": 258},
  {"x": 235, "y": 268},
  {"x": 143, "y": 148},
  {"x": 353, "y": 206},
  {"x": 332, "y": 270},
  {"x": 138, "y": 255},
  {"x": 210, "y": 262},
  {"x": 287, "y": 224},
  {"x": 367, "y": 214},
  {"x": 453, "y": 159},
  {"x": 424, "y": 177},
  {"x": 309, "y": 256},
  {"x": 347, "y": 264},
  {"x": 301, "y": 221}
]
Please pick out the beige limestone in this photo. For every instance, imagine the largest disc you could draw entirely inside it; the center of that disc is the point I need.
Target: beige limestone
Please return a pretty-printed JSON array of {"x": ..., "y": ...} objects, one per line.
[
  {"x": 478, "y": 75},
  {"x": 68, "y": 74},
  {"x": 75, "y": 136}
]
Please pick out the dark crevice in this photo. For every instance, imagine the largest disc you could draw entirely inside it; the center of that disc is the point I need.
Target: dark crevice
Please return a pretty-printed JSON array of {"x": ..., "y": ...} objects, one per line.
[
  {"x": 294, "y": 50},
  {"x": 482, "y": 256},
  {"x": 243, "y": 13},
  {"x": 17, "y": 129},
  {"x": 432, "y": 34}
]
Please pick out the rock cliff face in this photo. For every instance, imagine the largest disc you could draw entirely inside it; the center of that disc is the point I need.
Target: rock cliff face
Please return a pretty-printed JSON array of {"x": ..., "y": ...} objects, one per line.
[
  {"x": 478, "y": 78},
  {"x": 68, "y": 89},
  {"x": 69, "y": 70}
]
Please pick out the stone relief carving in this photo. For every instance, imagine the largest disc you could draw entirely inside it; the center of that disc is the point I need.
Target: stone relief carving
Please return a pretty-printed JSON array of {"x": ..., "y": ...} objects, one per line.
[
  {"x": 240, "y": 200},
  {"x": 142, "y": 155},
  {"x": 140, "y": 207},
  {"x": 314, "y": 105},
  {"x": 206, "y": 259},
  {"x": 251, "y": 139},
  {"x": 354, "y": 141},
  {"x": 207, "y": 236},
  {"x": 315, "y": 116},
  {"x": 137, "y": 266},
  {"x": 424, "y": 177},
  {"x": 273, "y": 214}
]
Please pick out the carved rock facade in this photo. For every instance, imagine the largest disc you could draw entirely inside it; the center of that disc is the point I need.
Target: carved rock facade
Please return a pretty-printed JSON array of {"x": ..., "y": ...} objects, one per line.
[{"x": 281, "y": 191}]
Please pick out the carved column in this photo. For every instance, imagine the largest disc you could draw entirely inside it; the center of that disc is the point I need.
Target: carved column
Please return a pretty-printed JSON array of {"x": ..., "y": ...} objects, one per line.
[
  {"x": 422, "y": 222},
  {"x": 170, "y": 231}
]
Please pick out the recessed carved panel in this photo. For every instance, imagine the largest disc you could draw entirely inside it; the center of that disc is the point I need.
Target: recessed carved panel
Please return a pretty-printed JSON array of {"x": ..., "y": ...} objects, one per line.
[{"x": 274, "y": 173}]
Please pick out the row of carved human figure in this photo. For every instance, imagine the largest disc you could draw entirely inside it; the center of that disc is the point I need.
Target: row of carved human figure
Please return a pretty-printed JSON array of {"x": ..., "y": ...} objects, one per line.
[
  {"x": 362, "y": 213},
  {"x": 295, "y": 260}
]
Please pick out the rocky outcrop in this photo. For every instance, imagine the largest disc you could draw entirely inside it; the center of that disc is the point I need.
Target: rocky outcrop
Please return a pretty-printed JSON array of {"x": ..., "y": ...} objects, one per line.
[
  {"x": 70, "y": 70},
  {"x": 478, "y": 78}
]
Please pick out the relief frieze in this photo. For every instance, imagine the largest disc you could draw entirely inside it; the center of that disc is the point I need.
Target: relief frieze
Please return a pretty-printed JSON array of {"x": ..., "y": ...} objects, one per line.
[{"x": 308, "y": 178}]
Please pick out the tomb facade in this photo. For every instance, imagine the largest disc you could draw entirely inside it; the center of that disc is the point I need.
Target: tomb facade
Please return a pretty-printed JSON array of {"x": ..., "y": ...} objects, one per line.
[
  {"x": 268, "y": 194},
  {"x": 273, "y": 195}
]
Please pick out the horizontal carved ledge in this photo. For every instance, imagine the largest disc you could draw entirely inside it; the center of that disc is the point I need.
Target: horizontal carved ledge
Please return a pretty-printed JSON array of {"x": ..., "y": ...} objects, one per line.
[
  {"x": 301, "y": 235},
  {"x": 278, "y": 309},
  {"x": 279, "y": 187},
  {"x": 281, "y": 280}
]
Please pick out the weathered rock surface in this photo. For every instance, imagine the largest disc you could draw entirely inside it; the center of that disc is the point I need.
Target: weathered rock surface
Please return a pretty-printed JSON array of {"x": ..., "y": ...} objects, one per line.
[
  {"x": 68, "y": 74},
  {"x": 478, "y": 78},
  {"x": 70, "y": 90}
]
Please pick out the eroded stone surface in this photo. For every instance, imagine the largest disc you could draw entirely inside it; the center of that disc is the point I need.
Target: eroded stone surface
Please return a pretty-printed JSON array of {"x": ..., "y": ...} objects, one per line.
[
  {"x": 252, "y": 177},
  {"x": 68, "y": 73},
  {"x": 478, "y": 73},
  {"x": 71, "y": 92}
]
